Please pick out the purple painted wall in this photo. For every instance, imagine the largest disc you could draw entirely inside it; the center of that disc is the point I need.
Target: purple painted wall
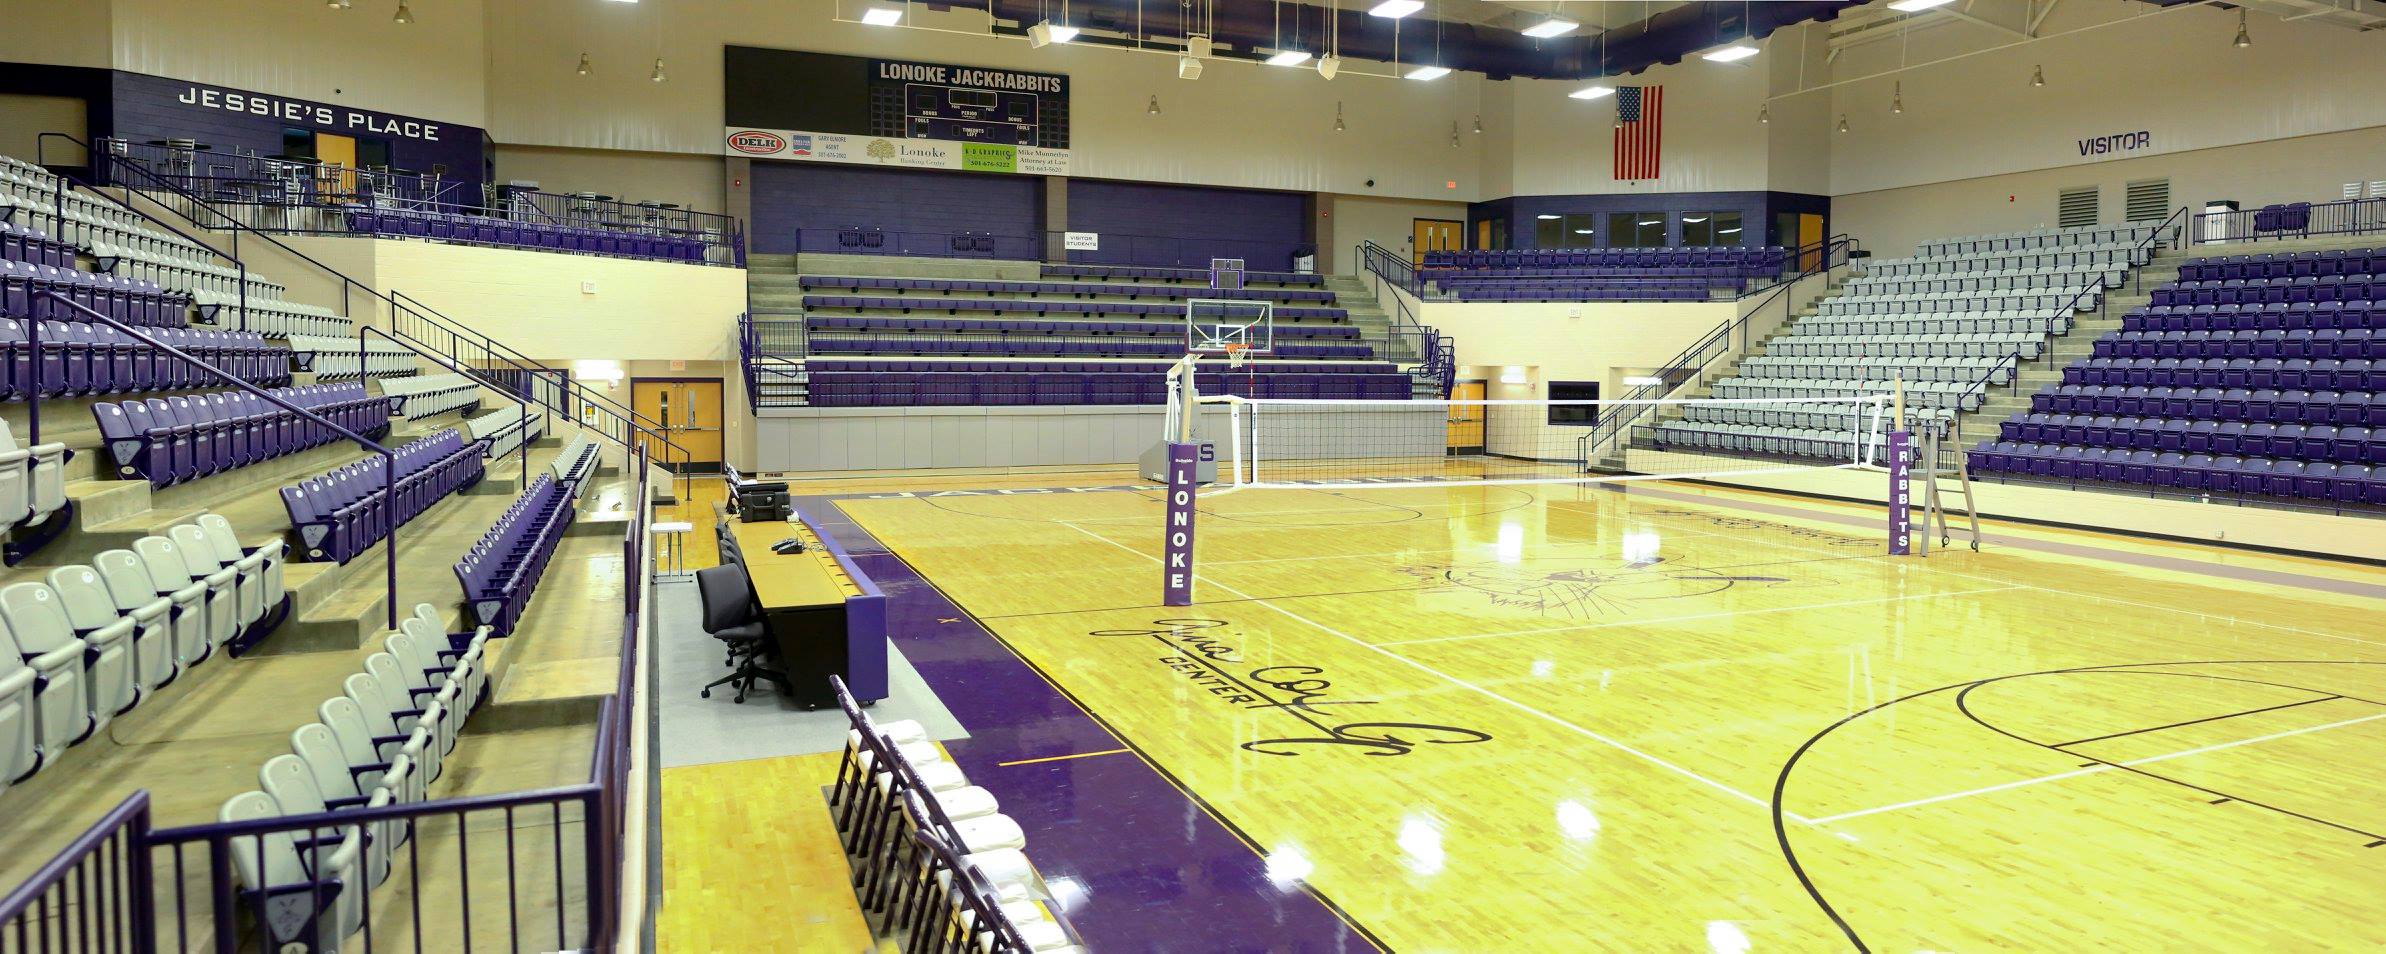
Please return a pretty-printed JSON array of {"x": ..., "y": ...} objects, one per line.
[
  {"x": 1145, "y": 224},
  {"x": 155, "y": 107},
  {"x": 820, "y": 207}
]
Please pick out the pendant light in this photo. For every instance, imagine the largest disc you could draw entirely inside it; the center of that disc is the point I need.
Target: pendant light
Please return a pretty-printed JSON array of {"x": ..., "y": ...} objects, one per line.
[
  {"x": 1842, "y": 122},
  {"x": 657, "y": 75},
  {"x": 2244, "y": 39},
  {"x": 583, "y": 64},
  {"x": 405, "y": 15},
  {"x": 1897, "y": 98},
  {"x": 2038, "y": 76},
  {"x": 1154, "y": 108},
  {"x": 1338, "y": 127}
]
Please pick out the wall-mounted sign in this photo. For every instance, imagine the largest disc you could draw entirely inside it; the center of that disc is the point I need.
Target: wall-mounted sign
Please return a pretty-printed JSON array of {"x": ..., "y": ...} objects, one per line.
[
  {"x": 2138, "y": 141},
  {"x": 800, "y": 146},
  {"x": 1081, "y": 241},
  {"x": 299, "y": 111}
]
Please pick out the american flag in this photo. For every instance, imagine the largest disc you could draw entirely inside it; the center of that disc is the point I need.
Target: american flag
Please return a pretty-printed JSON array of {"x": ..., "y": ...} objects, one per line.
[{"x": 1640, "y": 131}]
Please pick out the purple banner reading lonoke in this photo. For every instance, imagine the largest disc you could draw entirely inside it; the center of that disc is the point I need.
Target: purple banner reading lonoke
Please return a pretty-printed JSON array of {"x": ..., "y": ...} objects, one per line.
[
  {"x": 1900, "y": 496},
  {"x": 1176, "y": 569}
]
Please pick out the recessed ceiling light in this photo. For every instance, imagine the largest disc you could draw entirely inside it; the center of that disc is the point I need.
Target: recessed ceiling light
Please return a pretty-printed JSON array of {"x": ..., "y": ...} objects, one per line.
[
  {"x": 1546, "y": 217},
  {"x": 1428, "y": 73},
  {"x": 1730, "y": 54},
  {"x": 1692, "y": 220},
  {"x": 1582, "y": 231},
  {"x": 1652, "y": 221},
  {"x": 1591, "y": 92},
  {"x": 1554, "y": 26},
  {"x": 1289, "y": 58},
  {"x": 1395, "y": 9},
  {"x": 1909, "y": 6},
  {"x": 882, "y": 16}
]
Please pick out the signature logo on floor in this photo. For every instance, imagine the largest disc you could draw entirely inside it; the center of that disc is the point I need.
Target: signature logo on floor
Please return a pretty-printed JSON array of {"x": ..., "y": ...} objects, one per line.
[
  {"x": 1201, "y": 651},
  {"x": 1585, "y": 589}
]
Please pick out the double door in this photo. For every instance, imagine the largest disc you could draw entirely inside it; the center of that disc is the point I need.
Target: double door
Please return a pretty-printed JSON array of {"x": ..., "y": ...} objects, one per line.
[{"x": 690, "y": 414}]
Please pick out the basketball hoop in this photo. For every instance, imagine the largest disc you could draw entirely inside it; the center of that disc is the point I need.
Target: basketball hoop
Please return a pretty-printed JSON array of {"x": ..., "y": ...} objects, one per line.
[{"x": 1236, "y": 353}]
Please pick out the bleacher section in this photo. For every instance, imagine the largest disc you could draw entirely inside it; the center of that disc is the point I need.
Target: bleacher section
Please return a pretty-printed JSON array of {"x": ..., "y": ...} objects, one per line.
[
  {"x": 1669, "y": 274},
  {"x": 1962, "y": 316},
  {"x": 499, "y": 574},
  {"x": 343, "y": 513},
  {"x": 502, "y": 430},
  {"x": 1019, "y": 342},
  {"x": 180, "y": 439},
  {"x": 32, "y": 481},
  {"x": 2253, "y": 375},
  {"x": 337, "y": 359},
  {"x": 431, "y": 395},
  {"x": 88, "y": 643}
]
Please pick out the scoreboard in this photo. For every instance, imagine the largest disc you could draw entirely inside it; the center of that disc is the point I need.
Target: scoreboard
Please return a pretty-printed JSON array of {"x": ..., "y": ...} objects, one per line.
[{"x": 908, "y": 99}]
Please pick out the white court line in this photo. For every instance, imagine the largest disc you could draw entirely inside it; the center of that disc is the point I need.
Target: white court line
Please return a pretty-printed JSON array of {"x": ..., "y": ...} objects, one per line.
[
  {"x": 1659, "y": 621},
  {"x": 1610, "y": 741},
  {"x": 2091, "y": 770},
  {"x": 1723, "y": 504}
]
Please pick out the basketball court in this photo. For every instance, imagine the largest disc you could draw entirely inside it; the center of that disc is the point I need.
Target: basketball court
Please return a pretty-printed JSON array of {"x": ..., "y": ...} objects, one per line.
[{"x": 1673, "y": 717}]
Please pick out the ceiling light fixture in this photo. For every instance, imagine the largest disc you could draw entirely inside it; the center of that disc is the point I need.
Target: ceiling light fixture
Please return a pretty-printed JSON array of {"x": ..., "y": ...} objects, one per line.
[
  {"x": 336, "y": 4},
  {"x": 1553, "y": 26},
  {"x": 405, "y": 15},
  {"x": 1692, "y": 220},
  {"x": 584, "y": 64},
  {"x": 1289, "y": 58},
  {"x": 1730, "y": 54},
  {"x": 1453, "y": 134},
  {"x": 1764, "y": 115},
  {"x": 1395, "y": 9},
  {"x": 882, "y": 16},
  {"x": 1547, "y": 217},
  {"x": 1910, "y": 6},
  {"x": 1338, "y": 127},
  {"x": 1154, "y": 108},
  {"x": 657, "y": 75},
  {"x": 1592, "y": 92},
  {"x": 2244, "y": 39},
  {"x": 1428, "y": 73},
  {"x": 1897, "y": 98},
  {"x": 1047, "y": 33},
  {"x": 2038, "y": 76},
  {"x": 1843, "y": 122},
  {"x": 1478, "y": 125}
]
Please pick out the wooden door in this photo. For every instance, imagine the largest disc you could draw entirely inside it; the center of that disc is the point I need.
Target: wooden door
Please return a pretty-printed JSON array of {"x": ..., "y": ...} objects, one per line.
[
  {"x": 338, "y": 157},
  {"x": 1437, "y": 235},
  {"x": 1810, "y": 232},
  {"x": 1466, "y": 420},
  {"x": 690, "y": 414}
]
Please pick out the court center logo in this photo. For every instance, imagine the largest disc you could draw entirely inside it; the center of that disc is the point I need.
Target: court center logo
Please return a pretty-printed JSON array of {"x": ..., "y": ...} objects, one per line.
[
  {"x": 1310, "y": 704},
  {"x": 1584, "y": 589}
]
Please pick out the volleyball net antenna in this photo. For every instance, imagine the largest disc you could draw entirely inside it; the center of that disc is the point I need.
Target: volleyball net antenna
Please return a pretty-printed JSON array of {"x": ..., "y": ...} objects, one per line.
[{"x": 1263, "y": 442}]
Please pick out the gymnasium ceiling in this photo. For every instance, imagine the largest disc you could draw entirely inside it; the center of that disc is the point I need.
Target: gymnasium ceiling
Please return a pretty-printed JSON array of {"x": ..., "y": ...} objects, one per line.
[{"x": 1616, "y": 37}]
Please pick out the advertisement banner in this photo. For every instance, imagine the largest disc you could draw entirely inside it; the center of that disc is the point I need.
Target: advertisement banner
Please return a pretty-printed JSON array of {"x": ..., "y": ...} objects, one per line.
[{"x": 800, "y": 146}]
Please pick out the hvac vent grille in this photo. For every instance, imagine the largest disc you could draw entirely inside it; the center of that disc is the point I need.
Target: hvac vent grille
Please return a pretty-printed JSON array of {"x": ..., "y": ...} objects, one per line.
[
  {"x": 2078, "y": 208},
  {"x": 2149, "y": 200}
]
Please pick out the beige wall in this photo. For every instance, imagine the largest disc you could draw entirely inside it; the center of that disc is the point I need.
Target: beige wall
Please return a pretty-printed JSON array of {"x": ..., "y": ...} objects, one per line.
[
  {"x": 24, "y": 118},
  {"x": 2309, "y": 168},
  {"x": 1600, "y": 342},
  {"x": 433, "y": 68},
  {"x": 1390, "y": 223},
  {"x": 534, "y": 302},
  {"x": 1242, "y": 124},
  {"x": 70, "y": 32},
  {"x": 689, "y": 180}
]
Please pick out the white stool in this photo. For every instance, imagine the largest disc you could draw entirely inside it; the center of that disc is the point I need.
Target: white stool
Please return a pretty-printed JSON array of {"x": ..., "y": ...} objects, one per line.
[{"x": 675, "y": 547}]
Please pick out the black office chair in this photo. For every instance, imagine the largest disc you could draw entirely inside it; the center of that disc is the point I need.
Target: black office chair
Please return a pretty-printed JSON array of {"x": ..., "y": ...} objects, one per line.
[{"x": 729, "y": 616}]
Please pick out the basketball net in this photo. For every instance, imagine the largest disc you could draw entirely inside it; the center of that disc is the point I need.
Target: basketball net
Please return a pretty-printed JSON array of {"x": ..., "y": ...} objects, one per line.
[{"x": 1237, "y": 352}]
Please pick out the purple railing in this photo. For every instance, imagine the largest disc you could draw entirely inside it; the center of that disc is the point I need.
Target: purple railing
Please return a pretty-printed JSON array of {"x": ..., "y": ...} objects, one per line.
[{"x": 94, "y": 896}]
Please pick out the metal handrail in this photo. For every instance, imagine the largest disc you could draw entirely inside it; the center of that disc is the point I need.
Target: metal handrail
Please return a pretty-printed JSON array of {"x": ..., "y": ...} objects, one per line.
[
  {"x": 1390, "y": 266},
  {"x": 2337, "y": 217},
  {"x": 236, "y": 227},
  {"x": 130, "y": 817}
]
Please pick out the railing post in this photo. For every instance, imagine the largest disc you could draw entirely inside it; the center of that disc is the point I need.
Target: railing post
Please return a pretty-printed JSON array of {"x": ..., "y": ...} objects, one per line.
[
  {"x": 33, "y": 394},
  {"x": 141, "y": 882}
]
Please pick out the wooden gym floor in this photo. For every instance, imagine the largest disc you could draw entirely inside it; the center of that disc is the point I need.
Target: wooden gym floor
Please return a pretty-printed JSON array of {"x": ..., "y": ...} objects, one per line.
[{"x": 1557, "y": 717}]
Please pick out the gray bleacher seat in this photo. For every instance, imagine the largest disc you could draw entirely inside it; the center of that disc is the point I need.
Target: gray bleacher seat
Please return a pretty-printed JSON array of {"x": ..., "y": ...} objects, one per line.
[
  {"x": 101, "y": 666},
  {"x": 181, "y": 612},
  {"x": 309, "y": 900},
  {"x": 388, "y": 720},
  {"x": 172, "y": 569},
  {"x": 95, "y": 616},
  {"x": 260, "y": 571},
  {"x": 32, "y": 480},
  {"x": 291, "y": 784},
  {"x": 362, "y": 744},
  {"x": 61, "y": 705},
  {"x": 20, "y": 720}
]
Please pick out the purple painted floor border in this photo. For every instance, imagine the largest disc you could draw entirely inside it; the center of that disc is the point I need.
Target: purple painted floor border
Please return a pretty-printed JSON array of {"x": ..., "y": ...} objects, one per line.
[{"x": 1157, "y": 870}]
